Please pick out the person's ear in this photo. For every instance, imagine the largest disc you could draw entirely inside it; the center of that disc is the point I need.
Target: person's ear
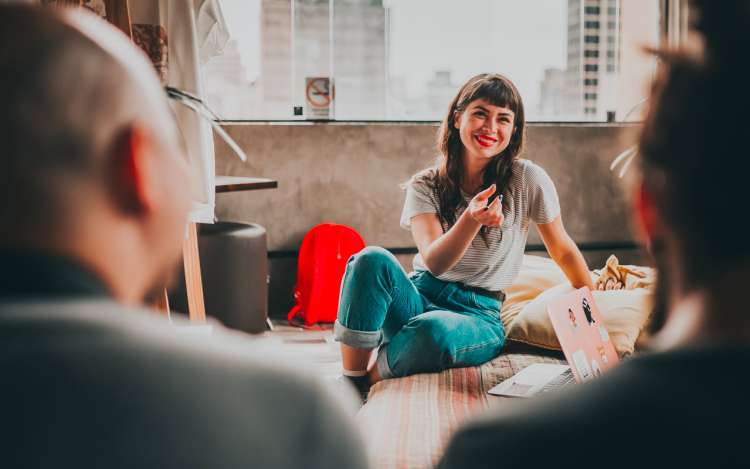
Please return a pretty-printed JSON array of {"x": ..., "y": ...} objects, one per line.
[
  {"x": 456, "y": 119},
  {"x": 132, "y": 173},
  {"x": 647, "y": 224}
]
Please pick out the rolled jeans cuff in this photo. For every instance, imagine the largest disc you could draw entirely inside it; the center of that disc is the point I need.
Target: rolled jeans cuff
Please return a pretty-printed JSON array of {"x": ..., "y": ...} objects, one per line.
[
  {"x": 356, "y": 339},
  {"x": 381, "y": 362}
]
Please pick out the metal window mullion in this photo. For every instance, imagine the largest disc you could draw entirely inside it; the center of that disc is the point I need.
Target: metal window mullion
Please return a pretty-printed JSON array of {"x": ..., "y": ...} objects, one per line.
[
  {"x": 387, "y": 60},
  {"x": 331, "y": 62},
  {"x": 292, "y": 96}
]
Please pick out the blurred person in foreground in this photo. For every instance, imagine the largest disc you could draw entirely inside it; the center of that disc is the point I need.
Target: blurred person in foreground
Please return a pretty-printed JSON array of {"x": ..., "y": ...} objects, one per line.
[
  {"x": 685, "y": 403},
  {"x": 93, "y": 209}
]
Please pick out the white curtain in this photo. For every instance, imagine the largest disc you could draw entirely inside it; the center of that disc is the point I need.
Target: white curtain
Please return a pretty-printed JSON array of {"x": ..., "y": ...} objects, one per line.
[{"x": 180, "y": 36}]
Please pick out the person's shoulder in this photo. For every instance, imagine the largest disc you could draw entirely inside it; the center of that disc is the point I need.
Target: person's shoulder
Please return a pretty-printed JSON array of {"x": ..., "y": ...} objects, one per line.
[
  {"x": 425, "y": 177},
  {"x": 629, "y": 391},
  {"x": 142, "y": 337},
  {"x": 423, "y": 182},
  {"x": 233, "y": 392},
  {"x": 529, "y": 169},
  {"x": 547, "y": 425}
]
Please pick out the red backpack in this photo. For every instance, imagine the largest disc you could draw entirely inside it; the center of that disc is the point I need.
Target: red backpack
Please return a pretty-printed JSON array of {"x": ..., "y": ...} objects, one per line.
[{"x": 322, "y": 260}]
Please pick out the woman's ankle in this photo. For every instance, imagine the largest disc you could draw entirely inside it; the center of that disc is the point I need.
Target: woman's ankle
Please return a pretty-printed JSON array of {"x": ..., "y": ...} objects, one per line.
[
  {"x": 355, "y": 359},
  {"x": 374, "y": 375}
]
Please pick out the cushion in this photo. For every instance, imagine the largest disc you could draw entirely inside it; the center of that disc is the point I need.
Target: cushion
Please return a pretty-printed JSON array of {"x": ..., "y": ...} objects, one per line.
[
  {"x": 625, "y": 313},
  {"x": 537, "y": 275}
]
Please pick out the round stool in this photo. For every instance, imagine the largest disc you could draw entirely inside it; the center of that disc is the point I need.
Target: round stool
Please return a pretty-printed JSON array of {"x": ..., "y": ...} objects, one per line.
[{"x": 234, "y": 268}]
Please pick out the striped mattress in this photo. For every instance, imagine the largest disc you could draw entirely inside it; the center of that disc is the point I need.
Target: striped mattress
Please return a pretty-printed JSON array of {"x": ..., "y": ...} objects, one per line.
[{"x": 407, "y": 422}]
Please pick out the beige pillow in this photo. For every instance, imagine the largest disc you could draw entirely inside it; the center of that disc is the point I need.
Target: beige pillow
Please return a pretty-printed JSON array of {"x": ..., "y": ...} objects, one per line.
[
  {"x": 537, "y": 274},
  {"x": 625, "y": 313}
]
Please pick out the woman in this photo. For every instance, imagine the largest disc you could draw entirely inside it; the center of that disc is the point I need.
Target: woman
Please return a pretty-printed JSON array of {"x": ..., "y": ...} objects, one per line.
[{"x": 469, "y": 216}]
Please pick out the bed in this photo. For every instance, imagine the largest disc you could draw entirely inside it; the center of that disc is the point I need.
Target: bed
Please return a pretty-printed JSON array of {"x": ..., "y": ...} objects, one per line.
[{"x": 407, "y": 422}]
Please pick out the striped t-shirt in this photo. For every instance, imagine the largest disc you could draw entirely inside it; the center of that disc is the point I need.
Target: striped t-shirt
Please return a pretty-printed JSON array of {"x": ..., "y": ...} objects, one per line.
[{"x": 493, "y": 265}]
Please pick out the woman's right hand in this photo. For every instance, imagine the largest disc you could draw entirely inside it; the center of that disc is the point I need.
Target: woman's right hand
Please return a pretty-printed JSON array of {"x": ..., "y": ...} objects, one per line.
[{"x": 488, "y": 215}]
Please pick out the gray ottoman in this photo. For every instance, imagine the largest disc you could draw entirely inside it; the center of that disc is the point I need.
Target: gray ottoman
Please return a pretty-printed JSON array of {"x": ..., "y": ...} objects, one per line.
[{"x": 234, "y": 267}]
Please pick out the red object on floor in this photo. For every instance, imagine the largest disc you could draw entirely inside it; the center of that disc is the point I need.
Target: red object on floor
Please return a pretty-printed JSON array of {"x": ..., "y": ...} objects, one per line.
[{"x": 325, "y": 250}]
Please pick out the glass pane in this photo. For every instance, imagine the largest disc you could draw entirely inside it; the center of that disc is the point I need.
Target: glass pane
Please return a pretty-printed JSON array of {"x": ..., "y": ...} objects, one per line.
[
  {"x": 359, "y": 59},
  {"x": 572, "y": 60},
  {"x": 251, "y": 79},
  {"x": 312, "y": 46},
  {"x": 639, "y": 26}
]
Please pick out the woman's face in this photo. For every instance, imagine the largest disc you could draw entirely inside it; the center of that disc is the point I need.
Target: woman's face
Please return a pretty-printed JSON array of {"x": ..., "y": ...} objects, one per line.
[{"x": 485, "y": 129}]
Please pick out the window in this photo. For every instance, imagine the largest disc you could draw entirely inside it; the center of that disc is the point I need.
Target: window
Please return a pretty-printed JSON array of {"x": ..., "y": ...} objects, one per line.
[
  {"x": 590, "y": 82},
  {"x": 592, "y": 25},
  {"x": 404, "y": 60},
  {"x": 591, "y": 68},
  {"x": 589, "y": 96}
]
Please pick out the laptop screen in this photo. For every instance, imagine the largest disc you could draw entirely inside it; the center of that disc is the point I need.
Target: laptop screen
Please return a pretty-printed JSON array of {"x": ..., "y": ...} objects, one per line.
[{"x": 582, "y": 334}]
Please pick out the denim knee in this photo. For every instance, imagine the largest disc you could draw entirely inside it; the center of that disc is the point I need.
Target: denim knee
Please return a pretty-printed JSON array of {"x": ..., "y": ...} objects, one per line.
[
  {"x": 362, "y": 306},
  {"x": 372, "y": 259}
]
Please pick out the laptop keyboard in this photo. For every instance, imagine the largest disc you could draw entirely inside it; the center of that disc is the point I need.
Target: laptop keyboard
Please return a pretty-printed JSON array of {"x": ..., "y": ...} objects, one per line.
[{"x": 563, "y": 379}]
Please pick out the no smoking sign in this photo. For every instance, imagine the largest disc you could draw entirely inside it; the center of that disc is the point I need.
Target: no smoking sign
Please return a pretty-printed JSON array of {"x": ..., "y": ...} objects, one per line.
[{"x": 318, "y": 98}]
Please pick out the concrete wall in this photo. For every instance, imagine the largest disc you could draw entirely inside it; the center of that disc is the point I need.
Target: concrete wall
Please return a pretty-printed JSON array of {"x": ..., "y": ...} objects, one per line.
[{"x": 350, "y": 173}]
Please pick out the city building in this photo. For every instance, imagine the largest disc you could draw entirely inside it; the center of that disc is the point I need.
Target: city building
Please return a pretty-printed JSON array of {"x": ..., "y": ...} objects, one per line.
[
  {"x": 229, "y": 93},
  {"x": 551, "y": 94},
  {"x": 607, "y": 70}
]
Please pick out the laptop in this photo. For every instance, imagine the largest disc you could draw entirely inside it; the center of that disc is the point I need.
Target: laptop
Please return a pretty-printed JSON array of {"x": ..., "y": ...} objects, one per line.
[{"x": 584, "y": 340}]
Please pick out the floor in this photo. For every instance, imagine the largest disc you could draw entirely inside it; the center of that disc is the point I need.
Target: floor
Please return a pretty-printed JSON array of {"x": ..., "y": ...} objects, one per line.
[{"x": 315, "y": 348}]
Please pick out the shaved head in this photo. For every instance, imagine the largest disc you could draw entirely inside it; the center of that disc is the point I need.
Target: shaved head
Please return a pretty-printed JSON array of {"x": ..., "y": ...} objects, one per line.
[
  {"x": 89, "y": 144},
  {"x": 67, "y": 94}
]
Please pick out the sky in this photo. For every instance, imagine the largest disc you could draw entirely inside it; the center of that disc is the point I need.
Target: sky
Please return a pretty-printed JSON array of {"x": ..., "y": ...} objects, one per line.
[
  {"x": 516, "y": 38},
  {"x": 243, "y": 21}
]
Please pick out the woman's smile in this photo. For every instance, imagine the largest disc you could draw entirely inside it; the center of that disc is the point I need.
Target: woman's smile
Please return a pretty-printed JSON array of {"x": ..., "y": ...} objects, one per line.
[{"x": 485, "y": 140}]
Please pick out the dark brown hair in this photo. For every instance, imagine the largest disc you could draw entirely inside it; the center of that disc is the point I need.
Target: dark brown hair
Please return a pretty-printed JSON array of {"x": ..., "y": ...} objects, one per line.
[
  {"x": 695, "y": 156},
  {"x": 499, "y": 91}
]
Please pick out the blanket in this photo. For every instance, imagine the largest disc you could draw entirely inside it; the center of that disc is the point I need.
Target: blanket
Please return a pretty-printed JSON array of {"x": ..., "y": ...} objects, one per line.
[{"x": 407, "y": 422}]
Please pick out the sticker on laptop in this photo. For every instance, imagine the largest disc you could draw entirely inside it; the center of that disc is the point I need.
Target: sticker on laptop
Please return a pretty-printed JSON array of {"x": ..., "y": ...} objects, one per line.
[
  {"x": 572, "y": 317},
  {"x": 582, "y": 365},
  {"x": 587, "y": 311}
]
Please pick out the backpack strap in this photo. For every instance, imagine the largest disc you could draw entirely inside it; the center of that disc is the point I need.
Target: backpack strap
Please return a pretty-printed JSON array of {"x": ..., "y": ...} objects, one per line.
[{"x": 296, "y": 309}]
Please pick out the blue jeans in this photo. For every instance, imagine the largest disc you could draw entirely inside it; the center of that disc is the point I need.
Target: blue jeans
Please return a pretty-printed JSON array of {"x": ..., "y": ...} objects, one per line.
[{"x": 421, "y": 324}]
